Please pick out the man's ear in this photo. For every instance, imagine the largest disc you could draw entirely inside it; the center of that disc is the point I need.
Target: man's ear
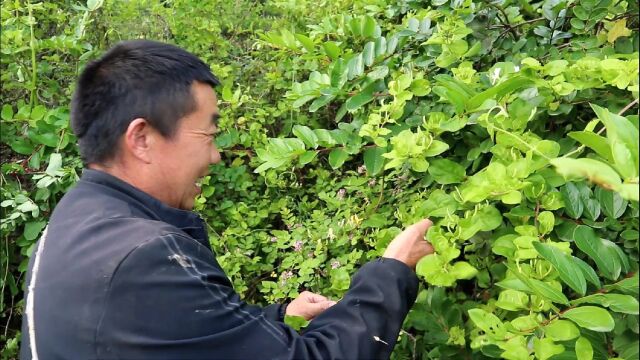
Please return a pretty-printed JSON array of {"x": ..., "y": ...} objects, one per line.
[{"x": 138, "y": 140}]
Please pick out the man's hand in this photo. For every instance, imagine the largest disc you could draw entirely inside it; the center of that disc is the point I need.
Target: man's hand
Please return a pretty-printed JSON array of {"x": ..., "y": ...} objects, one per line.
[
  {"x": 410, "y": 246},
  {"x": 309, "y": 305}
]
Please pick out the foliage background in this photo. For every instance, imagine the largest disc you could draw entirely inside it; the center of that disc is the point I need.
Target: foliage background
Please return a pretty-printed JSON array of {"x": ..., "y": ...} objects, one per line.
[{"x": 344, "y": 121}]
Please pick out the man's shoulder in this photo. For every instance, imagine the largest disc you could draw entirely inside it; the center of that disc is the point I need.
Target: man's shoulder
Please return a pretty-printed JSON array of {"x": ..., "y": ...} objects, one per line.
[{"x": 100, "y": 220}]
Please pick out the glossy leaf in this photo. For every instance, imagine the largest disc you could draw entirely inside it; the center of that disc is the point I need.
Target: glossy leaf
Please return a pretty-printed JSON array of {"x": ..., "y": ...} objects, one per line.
[
  {"x": 337, "y": 157},
  {"x": 590, "y": 317},
  {"x": 569, "y": 272}
]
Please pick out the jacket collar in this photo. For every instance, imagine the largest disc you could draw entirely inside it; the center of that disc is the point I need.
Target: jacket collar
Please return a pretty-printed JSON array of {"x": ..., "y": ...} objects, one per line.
[{"x": 149, "y": 207}]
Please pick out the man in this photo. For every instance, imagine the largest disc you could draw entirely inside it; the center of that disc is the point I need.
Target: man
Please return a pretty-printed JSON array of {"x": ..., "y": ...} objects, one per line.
[{"x": 125, "y": 270}]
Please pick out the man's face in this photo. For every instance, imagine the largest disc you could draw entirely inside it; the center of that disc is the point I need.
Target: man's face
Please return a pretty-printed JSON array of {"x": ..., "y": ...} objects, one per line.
[{"x": 185, "y": 158}]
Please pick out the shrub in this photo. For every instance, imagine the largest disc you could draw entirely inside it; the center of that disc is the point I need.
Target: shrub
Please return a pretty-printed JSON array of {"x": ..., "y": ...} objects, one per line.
[{"x": 511, "y": 124}]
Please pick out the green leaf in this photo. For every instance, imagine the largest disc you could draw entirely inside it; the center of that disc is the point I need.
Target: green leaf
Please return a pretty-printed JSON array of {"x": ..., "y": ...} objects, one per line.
[
  {"x": 296, "y": 322},
  {"x": 55, "y": 164},
  {"x": 307, "y": 157},
  {"x": 363, "y": 97},
  {"x": 337, "y": 157},
  {"x": 498, "y": 91},
  {"x": 439, "y": 204},
  {"x": 595, "y": 142},
  {"x": 512, "y": 300},
  {"x": 548, "y": 291},
  {"x": 591, "y": 209},
  {"x": 588, "y": 272},
  {"x": 487, "y": 322},
  {"x": 378, "y": 72},
  {"x": 584, "y": 350},
  {"x": 7, "y": 112},
  {"x": 611, "y": 203},
  {"x": 94, "y": 5},
  {"x": 419, "y": 164},
  {"x": 324, "y": 137},
  {"x": 368, "y": 54},
  {"x": 589, "y": 243},
  {"x": 512, "y": 197},
  {"x": 627, "y": 286},
  {"x": 546, "y": 222},
  {"x": 629, "y": 191},
  {"x": 570, "y": 273},
  {"x": 307, "y": 135},
  {"x": 331, "y": 49},
  {"x": 573, "y": 205},
  {"x": 594, "y": 170},
  {"x": 616, "y": 251},
  {"x": 561, "y": 330},
  {"x": 463, "y": 270},
  {"x": 546, "y": 348},
  {"x": 22, "y": 146},
  {"x": 621, "y": 135},
  {"x": 514, "y": 284},
  {"x": 356, "y": 66},
  {"x": 339, "y": 73},
  {"x": 380, "y": 46},
  {"x": 437, "y": 147},
  {"x": 432, "y": 268},
  {"x": 320, "y": 102},
  {"x": 392, "y": 44},
  {"x": 373, "y": 160},
  {"x": 306, "y": 42},
  {"x": 590, "y": 317},
  {"x": 445, "y": 171},
  {"x": 340, "y": 279},
  {"x": 621, "y": 303},
  {"x": 32, "y": 229},
  {"x": 368, "y": 26}
]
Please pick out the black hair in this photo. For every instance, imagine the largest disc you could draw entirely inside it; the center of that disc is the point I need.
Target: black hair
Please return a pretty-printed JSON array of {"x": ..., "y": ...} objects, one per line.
[{"x": 134, "y": 79}]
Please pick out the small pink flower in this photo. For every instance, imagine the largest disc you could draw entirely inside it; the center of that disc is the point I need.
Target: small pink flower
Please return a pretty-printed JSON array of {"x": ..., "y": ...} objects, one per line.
[
  {"x": 341, "y": 194},
  {"x": 372, "y": 183},
  {"x": 335, "y": 264},
  {"x": 297, "y": 246},
  {"x": 362, "y": 169},
  {"x": 285, "y": 276},
  {"x": 274, "y": 239}
]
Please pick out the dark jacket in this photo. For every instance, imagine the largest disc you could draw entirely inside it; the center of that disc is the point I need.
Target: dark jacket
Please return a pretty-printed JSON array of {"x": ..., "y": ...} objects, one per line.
[{"x": 118, "y": 274}]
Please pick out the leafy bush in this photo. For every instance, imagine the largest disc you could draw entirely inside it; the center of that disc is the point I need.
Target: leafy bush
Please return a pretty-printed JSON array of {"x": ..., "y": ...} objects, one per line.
[{"x": 508, "y": 123}]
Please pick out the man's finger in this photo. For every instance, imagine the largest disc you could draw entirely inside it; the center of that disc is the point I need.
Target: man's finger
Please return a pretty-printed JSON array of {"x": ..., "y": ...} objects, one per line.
[
  {"x": 423, "y": 225},
  {"x": 321, "y": 306},
  {"x": 316, "y": 298}
]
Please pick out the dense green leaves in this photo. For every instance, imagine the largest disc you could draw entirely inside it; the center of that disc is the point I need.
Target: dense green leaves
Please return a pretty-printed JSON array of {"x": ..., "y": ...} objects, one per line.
[{"x": 507, "y": 123}]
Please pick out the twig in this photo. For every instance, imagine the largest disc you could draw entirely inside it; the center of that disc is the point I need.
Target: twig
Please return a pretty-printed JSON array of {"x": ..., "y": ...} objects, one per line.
[
  {"x": 520, "y": 24},
  {"x": 506, "y": 22}
]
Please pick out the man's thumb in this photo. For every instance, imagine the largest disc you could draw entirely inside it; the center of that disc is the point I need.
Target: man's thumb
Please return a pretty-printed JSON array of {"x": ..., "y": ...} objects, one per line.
[{"x": 423, "y": 225}]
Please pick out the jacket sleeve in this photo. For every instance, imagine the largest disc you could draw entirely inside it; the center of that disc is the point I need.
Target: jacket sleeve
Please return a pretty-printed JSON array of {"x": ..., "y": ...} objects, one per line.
[
  {"x": 170, "y": 299},
  {"x": 275, "y": 312}
]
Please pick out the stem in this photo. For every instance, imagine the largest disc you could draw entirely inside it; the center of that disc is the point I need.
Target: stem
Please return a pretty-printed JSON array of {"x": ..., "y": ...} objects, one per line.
[{"x": 506, "y": 22}]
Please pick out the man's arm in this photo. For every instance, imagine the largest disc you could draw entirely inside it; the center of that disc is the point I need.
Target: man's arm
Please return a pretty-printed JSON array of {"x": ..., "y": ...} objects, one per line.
[{"x": 170, "y": 299}]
